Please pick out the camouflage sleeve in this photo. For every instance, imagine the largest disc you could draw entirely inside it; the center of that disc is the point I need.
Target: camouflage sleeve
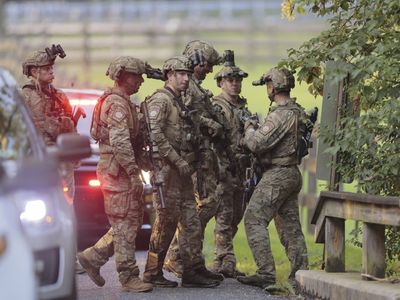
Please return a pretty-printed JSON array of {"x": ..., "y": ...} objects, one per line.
[
  {"x": 208, "y": 122},
  {"x": 159, "y": 108},
  {"x": 119, "y": 136},
  {"x": 275, "y": 127}
]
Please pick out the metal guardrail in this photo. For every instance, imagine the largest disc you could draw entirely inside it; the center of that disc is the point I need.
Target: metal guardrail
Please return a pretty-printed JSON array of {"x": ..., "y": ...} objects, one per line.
[{"x": 331, "y": 211}]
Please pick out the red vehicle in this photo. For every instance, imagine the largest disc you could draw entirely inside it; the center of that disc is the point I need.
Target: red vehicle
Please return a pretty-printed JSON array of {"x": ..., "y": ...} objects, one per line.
[{"x": 92, "y": 221}]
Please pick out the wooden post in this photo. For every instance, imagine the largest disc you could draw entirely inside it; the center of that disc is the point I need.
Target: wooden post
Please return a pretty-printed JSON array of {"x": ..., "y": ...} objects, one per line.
[
  {"x": 334, "y": 245},
  {"x": 373, "y": 247}
]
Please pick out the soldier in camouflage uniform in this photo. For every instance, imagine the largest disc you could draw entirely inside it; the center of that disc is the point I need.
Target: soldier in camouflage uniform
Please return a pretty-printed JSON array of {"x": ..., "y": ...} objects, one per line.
[
  {"x": 232, "y": 165},
  {"x": 50, "y": 107},
  {"x": 169, "y": 127},
  {"x": 115, "y": 125},
  {"x": 275, "y": 143},
  {"x": 204, "y": 57}
]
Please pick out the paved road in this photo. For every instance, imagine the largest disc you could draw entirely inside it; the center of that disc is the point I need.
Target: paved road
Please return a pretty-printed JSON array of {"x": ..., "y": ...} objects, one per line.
[{"x": 229, "y": 289}]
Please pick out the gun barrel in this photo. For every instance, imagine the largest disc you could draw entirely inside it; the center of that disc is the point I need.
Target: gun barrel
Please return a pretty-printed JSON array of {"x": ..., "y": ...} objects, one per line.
[{"x": 161, "y": 196}]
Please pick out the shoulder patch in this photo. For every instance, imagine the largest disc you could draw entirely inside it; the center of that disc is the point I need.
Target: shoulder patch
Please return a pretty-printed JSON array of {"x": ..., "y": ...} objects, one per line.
[
  {"x": 154, "y": 111},
  {"x": 267, "y": 127},
  {"x": 118, "y": 114}
]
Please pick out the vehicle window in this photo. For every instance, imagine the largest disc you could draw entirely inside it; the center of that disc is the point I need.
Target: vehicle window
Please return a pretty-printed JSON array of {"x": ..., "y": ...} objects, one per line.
[
  {"x": 14, "y": 142},
  {"x": 84, "y": 123}
]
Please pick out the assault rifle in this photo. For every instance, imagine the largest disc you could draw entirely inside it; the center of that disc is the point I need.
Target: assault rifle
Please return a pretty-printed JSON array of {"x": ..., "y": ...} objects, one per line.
[
  {"x": 253, "y": 177},
  {"x": 156, "y": 178}
]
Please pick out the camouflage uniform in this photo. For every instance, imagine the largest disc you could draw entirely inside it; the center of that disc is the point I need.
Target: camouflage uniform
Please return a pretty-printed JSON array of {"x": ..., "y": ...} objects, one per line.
[
  {"x": 232, "y": 165},
  {"x": 169, "y": 129},
  {"x": 275, "y": 196},
  {"x": 115, "y": 125},
  {"x": 50, "y": 110},
  {"x": 206, "y": 178}
]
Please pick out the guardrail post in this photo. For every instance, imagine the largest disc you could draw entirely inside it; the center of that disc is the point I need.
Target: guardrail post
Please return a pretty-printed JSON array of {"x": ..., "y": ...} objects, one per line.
[
  {"x": 373, "y": 248},
  {"x": 334, "y": 245}
]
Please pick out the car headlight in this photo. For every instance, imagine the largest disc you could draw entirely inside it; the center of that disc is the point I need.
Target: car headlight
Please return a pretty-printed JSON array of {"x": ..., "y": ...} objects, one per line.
[{"x": 35, "y": 210}]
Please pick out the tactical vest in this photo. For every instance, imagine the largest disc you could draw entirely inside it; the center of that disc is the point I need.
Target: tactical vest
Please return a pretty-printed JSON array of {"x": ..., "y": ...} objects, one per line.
[
  {"x": 235, "y": 117},
  {"x": 285, "y": 152},
  {"x": 56, "y": 104},
  {"x": 57, "y": 111},
  {"x": 176, "y": 129},
  {"x": 99, "y": 130}
]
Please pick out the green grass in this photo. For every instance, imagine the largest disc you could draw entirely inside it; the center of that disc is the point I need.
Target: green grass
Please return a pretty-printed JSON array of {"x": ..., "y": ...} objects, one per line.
[{"x": 245, "y": 261}]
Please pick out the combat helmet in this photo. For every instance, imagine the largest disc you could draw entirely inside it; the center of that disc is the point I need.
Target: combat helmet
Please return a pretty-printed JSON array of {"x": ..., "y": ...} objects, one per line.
[
  {"x": 42, "y": 58},
  {"x": 282, "y": 79},
  {"x": 200, "y": 52},
  {"x": 177, "y": 63},
  {"x": 229, "y": 69},
  {"x": 128, "y": 64}
]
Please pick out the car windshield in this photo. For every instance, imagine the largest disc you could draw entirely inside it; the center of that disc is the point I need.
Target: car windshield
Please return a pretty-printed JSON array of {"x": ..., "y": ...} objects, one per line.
[{"x": 14, "y": 142}]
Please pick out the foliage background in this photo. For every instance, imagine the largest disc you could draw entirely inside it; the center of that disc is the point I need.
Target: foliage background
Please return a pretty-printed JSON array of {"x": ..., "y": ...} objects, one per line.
[{"x": 363, "y": 40}]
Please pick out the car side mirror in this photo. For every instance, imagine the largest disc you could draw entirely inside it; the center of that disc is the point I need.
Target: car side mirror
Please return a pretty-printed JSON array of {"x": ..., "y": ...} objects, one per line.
[
  {"x": 27, "y": 178},
  {"x": 72, "y": 147}
]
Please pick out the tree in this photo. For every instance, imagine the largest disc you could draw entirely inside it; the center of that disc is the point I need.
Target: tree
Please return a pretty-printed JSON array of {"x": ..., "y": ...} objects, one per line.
[{"x": 363, "y": 39}]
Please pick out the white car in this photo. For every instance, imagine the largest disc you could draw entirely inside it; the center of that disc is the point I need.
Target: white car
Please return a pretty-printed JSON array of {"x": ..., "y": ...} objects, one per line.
[
  {"x": 17, "y": 269},
  {"x": 45, "y": 214}
]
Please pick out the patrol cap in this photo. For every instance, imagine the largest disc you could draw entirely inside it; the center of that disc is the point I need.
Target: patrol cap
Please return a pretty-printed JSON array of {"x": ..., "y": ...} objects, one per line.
[
  {"x": 200, "y": 51},
  {"x": 36, "y": 59},
  {"x": 177, "y": 63},
  {"x": 127, "y": 64},
  {"x": 281, "y": 78}
]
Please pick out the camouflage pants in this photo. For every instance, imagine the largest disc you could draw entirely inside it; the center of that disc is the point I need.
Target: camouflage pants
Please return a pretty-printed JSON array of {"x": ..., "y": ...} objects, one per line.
[
  {"x": 276, "y": 197},
  {"x": 231, "y": 194},
  {"x": 206, "y": 183},
  {"x": 120, "y": 239},
  {"x": 178, "y": 215}
]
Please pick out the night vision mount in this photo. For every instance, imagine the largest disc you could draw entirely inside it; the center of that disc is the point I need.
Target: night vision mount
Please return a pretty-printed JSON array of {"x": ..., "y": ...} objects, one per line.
[
  {"x": 228, "y": 58},
  {"x": 54, "y": 51}
]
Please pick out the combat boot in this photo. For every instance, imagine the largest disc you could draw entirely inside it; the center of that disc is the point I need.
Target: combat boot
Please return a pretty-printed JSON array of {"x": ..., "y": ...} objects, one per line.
[
  {"x": 229, "y": 270},
  {"x": 135, "y": 284},
  {"x": 192, "y": 279},
  {"x": 174, "y": 266},
  {"x": 78, "y": 267},
  {"x": 160, "y": 281},
  {"x": 153, "y": 272},
  {"x": 256, "y": 280},
  {"x": 203, "y": 271},
  {"x": 92, "y": 271}
]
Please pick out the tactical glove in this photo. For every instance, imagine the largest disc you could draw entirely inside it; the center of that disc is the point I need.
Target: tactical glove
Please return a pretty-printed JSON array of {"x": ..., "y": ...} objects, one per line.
[
  {"x": 251, "y": 123},
  {"x": 184, "y": 168},
  {"x": 181, "y": 164},
  {"x": 216, "y": 129}
]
